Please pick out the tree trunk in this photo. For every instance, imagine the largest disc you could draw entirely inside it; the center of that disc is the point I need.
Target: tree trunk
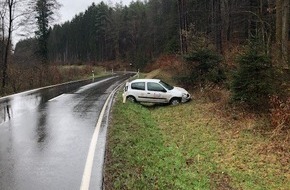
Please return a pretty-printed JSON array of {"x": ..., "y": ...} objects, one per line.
[
  {"x": 2, "y": 37},
  {"x": 180, "y": 10},
  {"x": 5, "y": 64},
  {"x": 216, "y": 22},
  {"x": 225, "y": 20},
  {"x": 278, "y": 34},
  {"x": 183, "y": 25},
  {"x": 285, "y": 30},
  {"x": 282, "y": 29}
]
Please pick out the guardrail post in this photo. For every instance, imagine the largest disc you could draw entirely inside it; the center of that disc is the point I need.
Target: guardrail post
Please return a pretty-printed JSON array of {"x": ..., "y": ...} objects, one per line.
[
  {"x": 93, "y": 73},
  {"x": 124, "y": 99}
]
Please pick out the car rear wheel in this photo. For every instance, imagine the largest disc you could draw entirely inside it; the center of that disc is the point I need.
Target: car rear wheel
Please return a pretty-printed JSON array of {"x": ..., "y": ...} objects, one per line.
[
  {"x": 131, "y": 99},
  {"x": 175, "y": 101}
]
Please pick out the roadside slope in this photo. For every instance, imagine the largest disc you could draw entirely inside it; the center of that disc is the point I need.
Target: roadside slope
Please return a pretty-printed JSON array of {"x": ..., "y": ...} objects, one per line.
[{"x": 190, "y": 146}]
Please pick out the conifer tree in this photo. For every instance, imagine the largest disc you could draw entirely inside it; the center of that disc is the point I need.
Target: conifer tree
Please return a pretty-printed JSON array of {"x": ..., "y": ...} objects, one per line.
[
  {"x": 44, "y": 10},
  {"x": 254, "y": 80}
]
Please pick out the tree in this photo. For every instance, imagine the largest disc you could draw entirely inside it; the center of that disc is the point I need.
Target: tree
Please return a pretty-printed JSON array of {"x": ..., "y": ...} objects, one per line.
[
  {"x": 285, "y": 30},
  {"x": 12, "y": 13},
  {"x": 216, "y": 23},
  {"x": 282, "y": 30},
  {"x": 254, "y": 79},
  {"x": 183, "y": 25},
  {"x": 117, "y": 24},
  {"x": 44, "y": 10},
  {"x": 204, "y": 66},
  {"x": 11, "y": 4},
  {"x": 2, "y": 28},
  {"x": 102, "y": 22}
]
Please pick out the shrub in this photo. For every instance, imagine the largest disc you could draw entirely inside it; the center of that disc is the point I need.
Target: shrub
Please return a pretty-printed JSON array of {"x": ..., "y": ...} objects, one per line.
[
  {"x": 203, "y": 66},
  {"x": 279, "y": 113},
  {"x": 254, "y": 80}
]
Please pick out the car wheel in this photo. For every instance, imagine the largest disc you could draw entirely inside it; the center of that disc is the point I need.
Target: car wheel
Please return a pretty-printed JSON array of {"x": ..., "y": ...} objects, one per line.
[
  {"x": 131, "y": 99},
  {"x": 175, "y": 101}
]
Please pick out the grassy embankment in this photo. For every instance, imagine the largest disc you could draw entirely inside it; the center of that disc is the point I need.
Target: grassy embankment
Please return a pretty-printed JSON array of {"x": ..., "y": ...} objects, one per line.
[{"x": 192, "y": 146}]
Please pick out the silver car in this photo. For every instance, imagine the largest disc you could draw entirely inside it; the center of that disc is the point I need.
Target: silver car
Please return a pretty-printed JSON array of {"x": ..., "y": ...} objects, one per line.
[{"x": 154, "y": 91}]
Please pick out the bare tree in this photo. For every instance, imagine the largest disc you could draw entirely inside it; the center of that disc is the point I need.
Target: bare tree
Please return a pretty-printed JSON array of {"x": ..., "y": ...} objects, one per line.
[
  {"x": 2, "y": 27},
  {"x": 10, "y": 15},
  {"x": 11, "y": 10}
]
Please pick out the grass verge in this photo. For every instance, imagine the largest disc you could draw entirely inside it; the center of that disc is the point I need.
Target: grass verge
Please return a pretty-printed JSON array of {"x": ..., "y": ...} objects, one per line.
[{"x": 189, "y": 147}]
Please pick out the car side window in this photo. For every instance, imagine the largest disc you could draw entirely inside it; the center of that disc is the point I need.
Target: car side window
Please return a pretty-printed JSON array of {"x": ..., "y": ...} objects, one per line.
[
  {"x": 138, "y": 86},
  {"x": 152, "y": 86}
]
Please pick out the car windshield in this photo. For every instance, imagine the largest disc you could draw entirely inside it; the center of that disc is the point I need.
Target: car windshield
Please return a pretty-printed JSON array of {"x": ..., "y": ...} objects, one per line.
[{"x": 167, "y": 86}]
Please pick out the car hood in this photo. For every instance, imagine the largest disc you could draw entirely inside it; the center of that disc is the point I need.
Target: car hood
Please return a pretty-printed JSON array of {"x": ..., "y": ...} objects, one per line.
[{"x": 178, "y": 89}]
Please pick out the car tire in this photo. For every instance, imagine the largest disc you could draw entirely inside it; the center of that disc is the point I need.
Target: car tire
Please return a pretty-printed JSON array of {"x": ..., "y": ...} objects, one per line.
[
  {"x": 131, "y": 99},
  {"x": 175, "y": 101}
]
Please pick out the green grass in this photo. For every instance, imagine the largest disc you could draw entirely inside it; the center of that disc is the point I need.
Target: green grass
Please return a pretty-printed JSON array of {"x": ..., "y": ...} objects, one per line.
[
  {"x": 140, "y": 158},
  {"x": 187, "y": 147}
]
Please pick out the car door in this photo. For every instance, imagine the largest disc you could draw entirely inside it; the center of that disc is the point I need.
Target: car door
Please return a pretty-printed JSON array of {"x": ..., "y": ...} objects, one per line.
[
  {"x": 156, "y": 93},
  {"x": 138, "y": 91}
]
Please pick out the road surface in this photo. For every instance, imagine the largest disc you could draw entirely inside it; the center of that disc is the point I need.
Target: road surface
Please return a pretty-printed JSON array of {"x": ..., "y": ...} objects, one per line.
[{"x": 45, "y": 136}]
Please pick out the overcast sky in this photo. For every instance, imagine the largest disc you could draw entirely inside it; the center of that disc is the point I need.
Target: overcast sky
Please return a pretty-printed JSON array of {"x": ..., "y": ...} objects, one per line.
[{"x": 72, "y": 7}]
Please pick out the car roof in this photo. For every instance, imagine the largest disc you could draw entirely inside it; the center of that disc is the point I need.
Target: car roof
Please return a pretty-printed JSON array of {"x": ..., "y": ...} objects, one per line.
[{"x": 146, "y": 80}]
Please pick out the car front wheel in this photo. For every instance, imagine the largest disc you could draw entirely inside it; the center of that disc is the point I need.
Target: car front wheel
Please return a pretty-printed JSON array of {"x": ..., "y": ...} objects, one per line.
[
  {"x": 175, "y": 101},
  {"x": 131, "y": 99}
]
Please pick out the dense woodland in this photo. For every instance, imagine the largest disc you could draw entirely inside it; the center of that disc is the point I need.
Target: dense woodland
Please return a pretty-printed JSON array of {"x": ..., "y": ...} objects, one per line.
[
  {"x": 208, "y": 35},
  {"x": 142, "y": 31}
]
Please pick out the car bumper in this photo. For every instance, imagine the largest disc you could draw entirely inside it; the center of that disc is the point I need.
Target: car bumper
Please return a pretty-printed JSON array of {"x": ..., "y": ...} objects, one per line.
[{"x": 186, "y": 98}]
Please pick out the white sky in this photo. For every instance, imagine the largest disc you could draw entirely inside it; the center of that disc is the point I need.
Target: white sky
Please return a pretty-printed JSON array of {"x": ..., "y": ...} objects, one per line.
[{"x": 72, "y": 7}]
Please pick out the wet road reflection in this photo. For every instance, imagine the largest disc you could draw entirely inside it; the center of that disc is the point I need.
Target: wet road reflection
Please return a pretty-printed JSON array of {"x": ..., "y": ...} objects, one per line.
[
  {"x": 45, "y": 134},
  {"x": 30, "y": 100}
]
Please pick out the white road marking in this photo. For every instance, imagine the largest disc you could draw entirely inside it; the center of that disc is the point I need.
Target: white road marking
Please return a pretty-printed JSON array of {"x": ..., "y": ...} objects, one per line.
[
  {"x": 85, "y": 185},
  {"x": 56, "y": 98}
]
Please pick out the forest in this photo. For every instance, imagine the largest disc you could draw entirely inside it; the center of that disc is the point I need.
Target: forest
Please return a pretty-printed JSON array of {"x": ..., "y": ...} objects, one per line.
[
  {"x": 142, "y": 31},
  {"x": 208, "y": 35}
]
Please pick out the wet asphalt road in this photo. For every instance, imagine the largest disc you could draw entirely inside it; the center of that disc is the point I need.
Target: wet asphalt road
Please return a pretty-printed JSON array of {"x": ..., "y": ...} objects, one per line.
[{"x": 45, "y": 136}]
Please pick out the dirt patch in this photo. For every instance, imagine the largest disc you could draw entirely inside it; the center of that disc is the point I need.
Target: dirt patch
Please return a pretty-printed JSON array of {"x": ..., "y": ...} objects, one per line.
[
  {"x": 220, "y": 181},
  {"x": 153, "y": 74}
]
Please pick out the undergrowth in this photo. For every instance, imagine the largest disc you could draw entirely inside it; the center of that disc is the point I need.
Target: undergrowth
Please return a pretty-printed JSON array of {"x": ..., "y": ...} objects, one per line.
[{"x": 23, "y": 77}]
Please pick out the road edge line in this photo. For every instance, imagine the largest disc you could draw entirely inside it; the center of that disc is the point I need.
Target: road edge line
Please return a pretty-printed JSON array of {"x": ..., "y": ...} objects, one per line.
[{"x": 85, "y": 184}]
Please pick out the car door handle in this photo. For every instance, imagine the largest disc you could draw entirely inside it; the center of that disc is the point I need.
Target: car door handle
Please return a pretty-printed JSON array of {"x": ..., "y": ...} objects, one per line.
[{"x": 148, "y": 92}]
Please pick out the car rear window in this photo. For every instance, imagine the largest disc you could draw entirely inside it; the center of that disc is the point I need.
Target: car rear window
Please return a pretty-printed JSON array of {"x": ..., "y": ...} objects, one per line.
[{"x": 138, "y": 86}]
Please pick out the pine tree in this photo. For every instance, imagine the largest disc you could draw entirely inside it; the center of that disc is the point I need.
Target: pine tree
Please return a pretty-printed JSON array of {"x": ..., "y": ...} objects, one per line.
[
  {"x": 44, "y": 15},
  {"x": 254, "y": 80}
]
